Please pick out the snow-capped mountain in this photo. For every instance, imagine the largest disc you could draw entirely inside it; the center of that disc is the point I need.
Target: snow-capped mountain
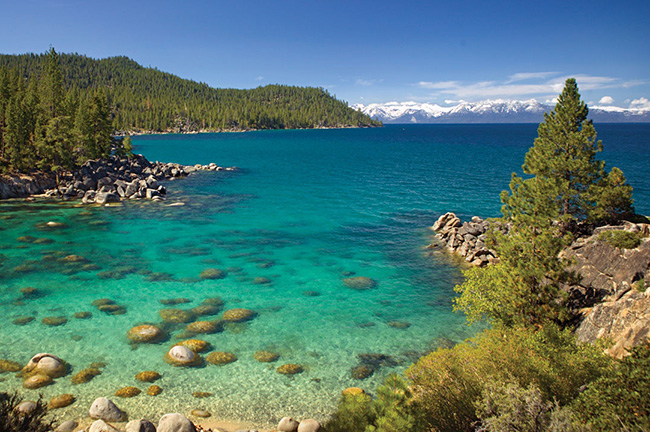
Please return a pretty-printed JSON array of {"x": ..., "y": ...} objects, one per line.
[{"x": 490, "y": 111}]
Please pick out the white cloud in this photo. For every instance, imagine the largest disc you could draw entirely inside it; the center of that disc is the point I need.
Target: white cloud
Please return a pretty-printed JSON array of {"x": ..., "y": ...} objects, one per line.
[
  {"x": 367, "y": 82},
  {"x": 641, "y": 103},
  {"x": 530, "y": 75},
  {"x": 521, "y": 85},
  {"x": 606, "y": 100},
  {"x": 259, "y": 78}
]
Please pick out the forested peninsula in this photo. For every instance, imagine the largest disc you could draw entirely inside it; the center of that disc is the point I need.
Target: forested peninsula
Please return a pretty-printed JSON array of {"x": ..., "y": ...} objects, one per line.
[{"x": 147, "y": 100}]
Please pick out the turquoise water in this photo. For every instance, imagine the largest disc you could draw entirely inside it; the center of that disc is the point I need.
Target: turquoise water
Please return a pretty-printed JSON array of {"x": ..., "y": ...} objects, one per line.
[{"x": 306, "y": 209}]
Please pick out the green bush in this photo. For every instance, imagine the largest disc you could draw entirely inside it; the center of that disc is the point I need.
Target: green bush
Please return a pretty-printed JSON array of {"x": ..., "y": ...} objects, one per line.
[
  {"x": 14, "y": 421},
  {"x": 511, "y": 408},
  {"x": 447, "y": 383},
  {"x": 620, "y": 399},
  {"x": 390, "y": 411},
  {"x": 620, "y": 239}
]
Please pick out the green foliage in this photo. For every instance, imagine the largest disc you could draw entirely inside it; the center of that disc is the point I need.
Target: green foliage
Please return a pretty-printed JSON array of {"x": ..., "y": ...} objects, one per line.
[
  {"x": 14, "y": 421},
  {"x": 124, "y": 147},
  {"x": 447, "y": 383},
  {"x": 613, "y": 198},
  {"x": 640, "y": 285},
  {"x": 390, "y": 411},
  {"x": 512, "y": 408},
  {"x": 619, "y": 400},
  {"x": 146, "y": 99},
  {"x": 620, "y": 239}
]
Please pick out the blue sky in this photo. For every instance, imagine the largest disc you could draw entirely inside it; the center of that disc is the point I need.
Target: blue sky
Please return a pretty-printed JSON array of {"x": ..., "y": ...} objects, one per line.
[{"x": 361, "y": 51}]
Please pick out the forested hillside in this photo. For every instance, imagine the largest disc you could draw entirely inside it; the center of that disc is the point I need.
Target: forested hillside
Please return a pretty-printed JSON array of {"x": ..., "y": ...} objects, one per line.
[{"x": 148, "y": 100}]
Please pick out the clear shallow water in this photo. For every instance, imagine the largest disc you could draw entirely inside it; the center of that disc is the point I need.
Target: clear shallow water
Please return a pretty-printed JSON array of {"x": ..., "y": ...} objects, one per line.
[{"x": 307, "y": 207}]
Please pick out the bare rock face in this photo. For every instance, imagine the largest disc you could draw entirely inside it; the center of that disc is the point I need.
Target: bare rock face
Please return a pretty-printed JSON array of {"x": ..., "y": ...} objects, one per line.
[{"x": 612, "y": 290}]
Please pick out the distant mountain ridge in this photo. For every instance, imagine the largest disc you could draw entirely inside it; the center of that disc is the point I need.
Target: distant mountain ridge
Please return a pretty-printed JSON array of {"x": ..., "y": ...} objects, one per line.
[{"x": 489, "y": 111}]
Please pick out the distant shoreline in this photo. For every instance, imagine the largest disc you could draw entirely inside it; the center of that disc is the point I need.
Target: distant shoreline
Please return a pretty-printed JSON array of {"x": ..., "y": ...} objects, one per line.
[{"x": 206, "y": 131}]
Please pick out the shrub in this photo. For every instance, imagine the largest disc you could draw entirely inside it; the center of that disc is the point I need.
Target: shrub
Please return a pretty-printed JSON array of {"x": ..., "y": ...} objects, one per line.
[
  {"x": 640, "y": 285},
  {"x": 511, "y": 408},
  {"x": 390, "y": 411},
  {"x": 620, "y": 239},
  {"x": 447, "y": 383},
  {"x": 14, "y": 421},
  {"x": 619, "y": 400}
]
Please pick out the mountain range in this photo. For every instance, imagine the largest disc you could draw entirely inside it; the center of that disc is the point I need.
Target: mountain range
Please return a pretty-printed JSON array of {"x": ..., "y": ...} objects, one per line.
[{"x": 490, "y": 111}]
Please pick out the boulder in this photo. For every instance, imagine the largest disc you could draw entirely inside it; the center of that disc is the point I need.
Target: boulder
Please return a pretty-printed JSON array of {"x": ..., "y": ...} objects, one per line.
[
  {"x": 175, "y": 423},
  {"x": 106, "y": 197},
  {"x": 179, "y": 355},
  {"x": 309, "y": 425},
  {"x": 140, "y": 426},
  {"x": 104, "y": 409},
  {"x": 61, "y": 401},
  {"x": 26, "y": 407},
  {"x": 145, "y": 333},
  {"x": 67, "y": 426},
  {"x": 45, "y": 364},
  {"x": 102, "y": 426},
  {"x": 37, "y": 381},
  {"x": 287, "y": 424}
]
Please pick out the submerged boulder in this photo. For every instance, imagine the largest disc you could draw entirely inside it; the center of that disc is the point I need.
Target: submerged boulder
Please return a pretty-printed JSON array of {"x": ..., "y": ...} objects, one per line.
[
  {"x": 238, "y": 315},
  {"x": 104, "y": 409},
  {"x": 179, "y": 355},
  {"x": 360, "y": 283},
  {"x": 145, "y": 333}
]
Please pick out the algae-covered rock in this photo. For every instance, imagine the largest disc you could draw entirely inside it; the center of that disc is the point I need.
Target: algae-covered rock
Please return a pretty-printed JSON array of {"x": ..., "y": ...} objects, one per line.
[
  {"x": 196, "y": 345},
  {"x": 23, "y": 320},
  {"x": 128, "y": 392},
  {"x": 10, "y": 366},
  {"x": 206, "y": 309},
  {"x": 200, "y": 413},
  {"x": 82, "y": 315},
  {"x": 174, "y": 301},
  {"x": 61, "y": 401},
  {"x": 145, "y": 333},
  {"x": 238, "y": 315},
  {"x": 182, "y": 356},
  {"x": 402, "y": 325},
  {"x": 361, "y": 372},
  {"x": 212, "y": 273},
  {"x": 360, "y": 283},
  {"x": 290, "y": 369},
  {"x": 37, "y": 381},
  {"x": 148, "y": 376},
  {"x": 85, "y": 375},
  {"x": 103, "y": 302},
  {"x": 266, "y": 356},
  {"x": 154, "y": 390},
  {"x": 203, "y": 327},
  {"x": 54, "y": 321},
  {"x": 176, "y": 316},
  {"x": 30, "y": 292},
  {"x": 221, "y": 358},
  {"x": 261, "y": 280},
  {"x": 112, "y": 309},
  {"x": 213, "y": 301},
  {"x": 201, "y": 394}
]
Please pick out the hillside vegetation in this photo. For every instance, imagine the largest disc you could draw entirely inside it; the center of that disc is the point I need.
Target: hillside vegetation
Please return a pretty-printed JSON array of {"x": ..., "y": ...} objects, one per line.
[{"x": 147, "y": 100}]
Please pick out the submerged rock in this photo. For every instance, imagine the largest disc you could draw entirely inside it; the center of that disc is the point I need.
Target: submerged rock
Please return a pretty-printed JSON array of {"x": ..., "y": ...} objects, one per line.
[
  {"x": 37, "y": 381},
  {"x": 128, "y": 392},
  {"x": 67, "y": 426},
  {"x": 238, "y": 315},
  {"x": 26, "y": 407},
  {"x": 221, "y": 358},
  {"x": 102, "y": 426},
  {"x": 206, "y": 309},
  {"x": 45, "y": 364},
  {"x": 212, "y": 273},
  {"x": 182, "y": 356},
  {"x": 176, "y": 316},
  {"x": 200, "y": 394},
  {"x": 353, "y": 391},
  {"x": 85, "y": 375},
  {"x": 203, "y": 327},
  {"x": 360, "y": 283},
  {"x": 54, "y": 321},
  {"x": 361, "y": 372},
  {"x": 290, "y": 369},
  {"x": 145, "y": 333},
  {"x": 61, "y": 401},
  {"x": 266, "y": 356},
  {"x": 196, "y": 345},
  {"x": 148, "y": 376},
  {"x": 23, "y": 320},
  {"x": 154, "y": 390},
  {"x": 200, "y": 413},
  {"x": 10, "y": 366}
]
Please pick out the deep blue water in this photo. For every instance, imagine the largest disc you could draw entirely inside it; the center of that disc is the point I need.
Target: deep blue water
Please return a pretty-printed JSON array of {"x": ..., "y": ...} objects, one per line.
[{"x": 307, "y": 208}]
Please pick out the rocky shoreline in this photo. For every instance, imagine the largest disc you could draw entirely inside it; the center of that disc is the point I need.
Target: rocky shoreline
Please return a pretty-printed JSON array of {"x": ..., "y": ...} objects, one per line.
[
  {"x": 104, "y": 181},
  {"x": 611, "y": 298}
]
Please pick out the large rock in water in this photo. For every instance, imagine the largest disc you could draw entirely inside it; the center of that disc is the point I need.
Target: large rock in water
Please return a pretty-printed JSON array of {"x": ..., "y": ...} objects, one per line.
[
  {"x": 45, "y": 364},
  {"x": 105, "y": 409},
  {"x": 106, "y": 197},
  {"x": 175, "y": 423},
  {"x": 140, "y": 426}
]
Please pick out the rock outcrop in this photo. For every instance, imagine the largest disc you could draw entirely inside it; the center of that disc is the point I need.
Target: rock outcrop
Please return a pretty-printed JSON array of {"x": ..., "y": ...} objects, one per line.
[
  {"x": 467, "y": 239},
  {"x": 104, "y": 181}
]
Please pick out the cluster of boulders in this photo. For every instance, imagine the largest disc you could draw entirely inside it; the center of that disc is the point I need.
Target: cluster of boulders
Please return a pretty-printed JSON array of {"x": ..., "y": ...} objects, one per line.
[
  {"x": 465, "y": 238},
  {"x": 114, "y": 179}
]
